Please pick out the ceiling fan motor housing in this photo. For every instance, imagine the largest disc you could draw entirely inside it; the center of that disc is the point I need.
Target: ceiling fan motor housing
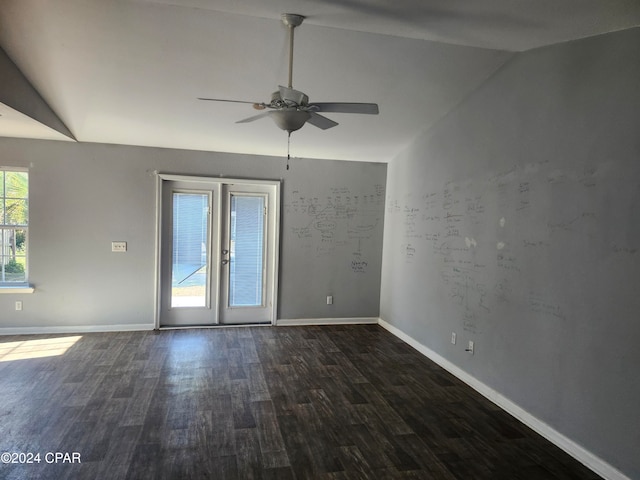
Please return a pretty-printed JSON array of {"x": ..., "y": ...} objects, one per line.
[{"x": 290, "y": 97}]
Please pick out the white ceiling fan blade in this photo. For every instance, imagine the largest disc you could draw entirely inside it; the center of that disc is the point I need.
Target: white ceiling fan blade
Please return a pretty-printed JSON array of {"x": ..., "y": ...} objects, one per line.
[
  {"x": 256, "y": 105},
  {"x": 320, "y": 121},
  {"x": 255, "y": 117},
  {"x": 338, "y": 107},
  {"x": 223, "y": 100}
]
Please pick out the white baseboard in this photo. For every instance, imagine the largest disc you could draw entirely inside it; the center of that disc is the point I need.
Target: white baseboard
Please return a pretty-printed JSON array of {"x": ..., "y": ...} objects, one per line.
[
  {"x": 578, "y": 452},
  {"x": 75, "y": 329},
  {"x": 291, "y": 322},
  {"x": 151, "y": 326}
]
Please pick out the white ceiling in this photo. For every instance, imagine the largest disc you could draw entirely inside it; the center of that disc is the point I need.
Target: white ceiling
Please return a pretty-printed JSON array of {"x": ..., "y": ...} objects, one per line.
[{"x": 130, "y": 71}]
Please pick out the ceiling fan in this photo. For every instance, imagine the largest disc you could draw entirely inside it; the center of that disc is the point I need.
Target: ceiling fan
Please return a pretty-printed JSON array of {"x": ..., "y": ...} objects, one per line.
[{"x": 290, "y": 109}]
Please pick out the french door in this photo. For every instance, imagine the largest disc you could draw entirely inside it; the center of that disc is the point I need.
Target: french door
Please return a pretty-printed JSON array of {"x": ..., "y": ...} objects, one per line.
[{"x": 218, "y": 247}]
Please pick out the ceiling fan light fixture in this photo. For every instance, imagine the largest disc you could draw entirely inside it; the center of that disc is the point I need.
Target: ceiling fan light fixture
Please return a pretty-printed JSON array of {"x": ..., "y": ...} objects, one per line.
[{"x": 290, "y": 120}]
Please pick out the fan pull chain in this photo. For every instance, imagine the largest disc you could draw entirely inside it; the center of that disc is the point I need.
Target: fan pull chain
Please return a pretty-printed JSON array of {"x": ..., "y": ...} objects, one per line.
[{"x": 288, "y": 148}]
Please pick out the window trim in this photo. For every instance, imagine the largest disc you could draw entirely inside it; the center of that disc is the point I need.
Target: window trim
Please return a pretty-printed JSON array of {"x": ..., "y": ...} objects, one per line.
[{"x": 17, "y": 288}]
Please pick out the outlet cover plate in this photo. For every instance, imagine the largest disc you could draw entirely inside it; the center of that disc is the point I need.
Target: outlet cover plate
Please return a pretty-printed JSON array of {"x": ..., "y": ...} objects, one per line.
[{"x": 119, "y": 247}]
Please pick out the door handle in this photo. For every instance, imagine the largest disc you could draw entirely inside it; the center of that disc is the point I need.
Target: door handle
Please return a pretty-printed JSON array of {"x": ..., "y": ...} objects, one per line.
[{"x": 225, "y": 261}]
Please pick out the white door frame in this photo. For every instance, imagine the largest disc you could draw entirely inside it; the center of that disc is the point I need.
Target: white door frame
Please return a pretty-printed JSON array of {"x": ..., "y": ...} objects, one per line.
[{"x": 274, "y": 237}]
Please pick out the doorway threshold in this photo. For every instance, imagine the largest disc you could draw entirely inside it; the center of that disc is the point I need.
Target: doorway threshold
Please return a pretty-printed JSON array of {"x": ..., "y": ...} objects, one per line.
[{"x": 187, "y": 327}]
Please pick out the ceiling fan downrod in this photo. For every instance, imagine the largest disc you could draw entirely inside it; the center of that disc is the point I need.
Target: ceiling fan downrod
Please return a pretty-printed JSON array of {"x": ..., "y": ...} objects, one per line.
[{"x": 291, "y": 20}]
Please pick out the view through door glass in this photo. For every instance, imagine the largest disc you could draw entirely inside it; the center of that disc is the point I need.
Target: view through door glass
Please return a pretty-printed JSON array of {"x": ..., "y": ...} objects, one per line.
[{"x": 189, "y": 276}]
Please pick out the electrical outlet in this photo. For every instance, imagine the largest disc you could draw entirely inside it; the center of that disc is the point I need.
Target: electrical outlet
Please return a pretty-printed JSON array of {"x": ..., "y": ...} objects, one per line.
[
  {"x": 329, "y": 299},
  {"x": 453, "y": 337},
  {"x": 119, "y": 247},
  {"x": 18, "y": 305},
  {"x": 470, "y": 348}
]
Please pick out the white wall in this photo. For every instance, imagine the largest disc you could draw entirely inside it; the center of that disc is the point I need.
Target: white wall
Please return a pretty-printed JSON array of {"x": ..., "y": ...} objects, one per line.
[
  {"x": 515, "y": 222},
  {"x": 83, "y": 196}
]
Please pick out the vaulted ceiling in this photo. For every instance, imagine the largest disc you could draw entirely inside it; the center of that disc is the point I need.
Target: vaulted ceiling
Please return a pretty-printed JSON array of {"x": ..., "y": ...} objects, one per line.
[{"x": 130, "y": 71}]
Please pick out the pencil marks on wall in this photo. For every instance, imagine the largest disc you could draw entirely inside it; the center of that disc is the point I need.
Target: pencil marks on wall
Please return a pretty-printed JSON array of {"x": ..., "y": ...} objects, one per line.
[
  {"x": 493, "y": 239},
  {"x": 339, "y": 221},
  {"x": 544, "y": 305}
]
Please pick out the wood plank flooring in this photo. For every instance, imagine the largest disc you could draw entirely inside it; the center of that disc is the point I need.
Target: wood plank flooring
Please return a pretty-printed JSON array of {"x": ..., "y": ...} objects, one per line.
[{"x": 338, "y": 402}]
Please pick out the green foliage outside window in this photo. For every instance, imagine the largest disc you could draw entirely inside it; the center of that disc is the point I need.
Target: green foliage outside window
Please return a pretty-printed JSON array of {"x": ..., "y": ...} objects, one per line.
[
  {"x": 14, "y": 221},
  {"x": 13, "y": 266}
]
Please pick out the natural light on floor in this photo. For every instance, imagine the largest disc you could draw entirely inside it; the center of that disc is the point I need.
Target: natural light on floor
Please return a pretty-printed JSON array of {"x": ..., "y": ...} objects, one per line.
[{"x": 43, "y": 347}]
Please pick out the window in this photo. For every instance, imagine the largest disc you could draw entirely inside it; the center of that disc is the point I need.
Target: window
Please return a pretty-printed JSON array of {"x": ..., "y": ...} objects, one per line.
[{"x": 14, "y": 226}]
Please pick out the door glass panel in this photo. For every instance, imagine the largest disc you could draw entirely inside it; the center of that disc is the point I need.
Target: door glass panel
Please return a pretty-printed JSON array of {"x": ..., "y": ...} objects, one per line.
[
  {"x": 189, "y": 276},
  {"x": 246, "y": 256}
]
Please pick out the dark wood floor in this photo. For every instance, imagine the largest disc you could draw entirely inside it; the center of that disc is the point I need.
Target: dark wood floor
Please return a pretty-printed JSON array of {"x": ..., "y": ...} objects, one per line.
[{"x": 259, "y": 402}]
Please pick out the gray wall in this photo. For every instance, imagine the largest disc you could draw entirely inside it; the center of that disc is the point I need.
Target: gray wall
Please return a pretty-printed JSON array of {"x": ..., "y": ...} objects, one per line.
[
  {"x": 83, "y": 196},
  {"x": 515, "y": 222}
]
